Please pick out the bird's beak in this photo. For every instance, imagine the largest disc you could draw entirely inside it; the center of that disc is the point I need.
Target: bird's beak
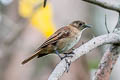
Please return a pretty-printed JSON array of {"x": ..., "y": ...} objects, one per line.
[{"x": 87, "y": 26}]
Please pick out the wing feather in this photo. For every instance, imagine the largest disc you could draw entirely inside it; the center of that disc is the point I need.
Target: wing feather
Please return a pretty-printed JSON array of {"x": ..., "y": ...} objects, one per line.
[{"x": 61, "y": 33}]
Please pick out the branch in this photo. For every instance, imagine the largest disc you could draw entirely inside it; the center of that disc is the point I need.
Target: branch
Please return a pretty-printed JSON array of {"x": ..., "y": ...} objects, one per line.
[
  {"x": 84, "y": 49},
  {"x": 107, "y": 63},
  {"x": 109, "y": 59},
  {"x": 105, "y": 4},
  {"x": 45, "y": 1}
]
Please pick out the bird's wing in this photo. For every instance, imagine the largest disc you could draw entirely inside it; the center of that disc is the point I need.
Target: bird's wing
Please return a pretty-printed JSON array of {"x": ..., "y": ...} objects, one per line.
[{"x": 59, "y": 34}]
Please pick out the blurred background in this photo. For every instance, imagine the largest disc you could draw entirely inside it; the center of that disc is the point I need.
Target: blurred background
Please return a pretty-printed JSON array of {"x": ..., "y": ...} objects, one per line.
[{"x": 25, "y": 25}]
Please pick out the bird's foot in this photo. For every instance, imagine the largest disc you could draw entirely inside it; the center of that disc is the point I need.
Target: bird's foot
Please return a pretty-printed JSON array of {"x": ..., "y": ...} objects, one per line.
[
  {"x": 66, "y": 60},
  {"x": 66, "y": 55},
  {"x": 69, "y": 53},
  {"x": 68, "y": 63}
]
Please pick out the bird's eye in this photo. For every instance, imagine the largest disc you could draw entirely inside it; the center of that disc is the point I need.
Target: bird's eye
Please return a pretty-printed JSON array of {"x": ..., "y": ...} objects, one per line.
[{"x": 80, "y": 24}]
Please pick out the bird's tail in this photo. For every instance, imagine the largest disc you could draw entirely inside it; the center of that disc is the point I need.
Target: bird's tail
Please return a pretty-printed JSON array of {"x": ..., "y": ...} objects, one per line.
[{"x": 31, "y": 57}]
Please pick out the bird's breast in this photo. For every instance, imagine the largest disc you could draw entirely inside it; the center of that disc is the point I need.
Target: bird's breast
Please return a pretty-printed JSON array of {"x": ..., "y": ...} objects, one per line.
[
  {"x": 67, "y": 43},
  {"x": 74, "y": 41}
]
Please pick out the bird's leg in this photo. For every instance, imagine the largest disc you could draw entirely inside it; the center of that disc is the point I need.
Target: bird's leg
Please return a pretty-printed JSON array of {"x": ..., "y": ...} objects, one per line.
[
  {"x": 67, "y": 62},
  {"x": 59, "y": 54}
]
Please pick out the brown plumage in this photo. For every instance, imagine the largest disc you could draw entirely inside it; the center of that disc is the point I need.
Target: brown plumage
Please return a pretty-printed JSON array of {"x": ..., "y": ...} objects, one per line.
[{"x": 61, "y": 41}]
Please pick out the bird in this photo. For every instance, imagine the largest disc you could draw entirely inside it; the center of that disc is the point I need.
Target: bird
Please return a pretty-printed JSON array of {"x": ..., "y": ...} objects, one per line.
[{"x": 61, "y": 41}]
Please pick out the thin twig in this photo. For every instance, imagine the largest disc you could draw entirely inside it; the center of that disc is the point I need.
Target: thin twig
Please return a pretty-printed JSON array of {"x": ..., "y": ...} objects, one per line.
[
  {"x": 45, "y": 1},
  {"x": 106, "y": 24},
  {"x": 117, "y": 28}
]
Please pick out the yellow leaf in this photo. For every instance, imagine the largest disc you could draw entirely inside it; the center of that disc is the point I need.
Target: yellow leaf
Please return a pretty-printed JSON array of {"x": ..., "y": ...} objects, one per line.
[{"x": 42, "y": 20}]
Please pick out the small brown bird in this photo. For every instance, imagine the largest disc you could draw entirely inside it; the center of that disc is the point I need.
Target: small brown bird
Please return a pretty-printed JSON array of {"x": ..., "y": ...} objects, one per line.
[{"x": 61, "y": 41}]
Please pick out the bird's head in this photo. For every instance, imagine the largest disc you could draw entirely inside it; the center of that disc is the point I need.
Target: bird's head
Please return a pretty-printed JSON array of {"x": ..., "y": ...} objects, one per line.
[{"x": 79, "y": 25}]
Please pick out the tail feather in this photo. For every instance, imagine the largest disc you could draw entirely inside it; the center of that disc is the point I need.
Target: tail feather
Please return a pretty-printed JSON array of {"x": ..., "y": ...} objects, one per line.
[{"x": 31, "y": 57}]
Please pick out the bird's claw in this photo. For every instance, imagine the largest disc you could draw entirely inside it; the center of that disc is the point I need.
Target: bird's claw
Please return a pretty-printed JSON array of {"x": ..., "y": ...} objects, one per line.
[
  {"x": 67, "y": 62},
  {"x": 66, "y": 56}
]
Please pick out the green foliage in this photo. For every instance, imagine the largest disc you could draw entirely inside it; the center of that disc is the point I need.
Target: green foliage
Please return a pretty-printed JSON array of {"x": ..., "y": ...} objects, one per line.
[{"x": 93, "y": 64}]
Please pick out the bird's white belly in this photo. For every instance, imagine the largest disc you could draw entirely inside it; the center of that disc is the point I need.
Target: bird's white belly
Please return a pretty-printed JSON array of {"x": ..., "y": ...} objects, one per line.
[
  {"x": 71, "y": 43},
  {"x": 75, "y": 40}
]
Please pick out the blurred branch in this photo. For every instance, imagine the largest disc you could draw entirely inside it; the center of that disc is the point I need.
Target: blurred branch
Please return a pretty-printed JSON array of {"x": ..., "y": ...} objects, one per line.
[
  {"x": 84, "y": 49},
  {"x": 107, "y": 63},
  {"x": 109, "y": 59},
  {"x": 9, "y": 29},
  {"x": 105, "y": 4},
  {"x": 6, "y": 2},
  {"x": 45, "y": 1}
]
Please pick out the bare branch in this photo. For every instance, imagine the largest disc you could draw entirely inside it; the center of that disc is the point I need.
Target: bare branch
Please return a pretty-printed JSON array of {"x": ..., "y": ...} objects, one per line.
[
  {"x": 105, "y": 4},
  {"x": 107, "y": 63},
  {"x": 84, "y": 49},
  {"x": 109, "y": 59},
  {"x": 106, "y": 24}
]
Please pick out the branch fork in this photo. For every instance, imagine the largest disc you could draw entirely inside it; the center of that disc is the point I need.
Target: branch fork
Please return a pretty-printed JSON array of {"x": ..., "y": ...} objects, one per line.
[{"x": 109, "y": 58}]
